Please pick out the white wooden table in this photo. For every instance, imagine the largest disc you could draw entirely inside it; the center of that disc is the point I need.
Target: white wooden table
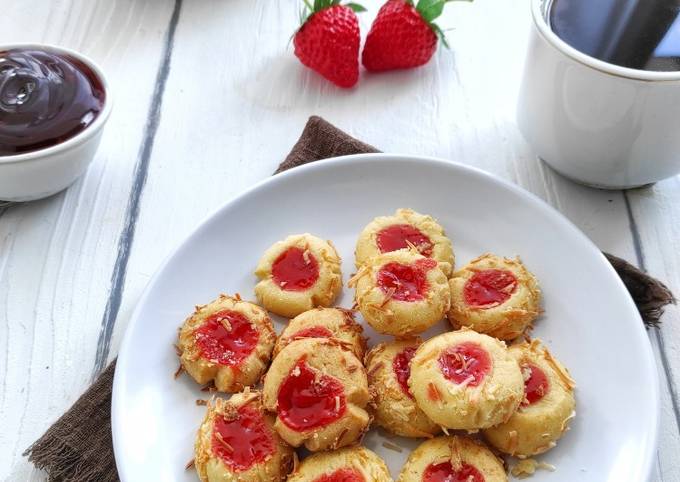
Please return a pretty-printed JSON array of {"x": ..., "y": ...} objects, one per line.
[{"x": 208, "y": 100}]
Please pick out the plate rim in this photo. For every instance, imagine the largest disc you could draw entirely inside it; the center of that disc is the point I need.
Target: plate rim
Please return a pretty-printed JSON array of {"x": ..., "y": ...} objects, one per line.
[{"x": 302, "y": 170}]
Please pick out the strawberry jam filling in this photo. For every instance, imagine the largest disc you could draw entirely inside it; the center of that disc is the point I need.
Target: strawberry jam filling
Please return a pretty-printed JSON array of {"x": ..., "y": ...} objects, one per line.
[
  {"x": 465, "y": 363},
  {"x": 342, "y": 475},
  {"x": 489, "y": 288},
  {"x": 536, "y": 385},
  {"x": 243, "y": 440},
  {"x": 445, "y": 472},
  {"x": 402, "y": 367},
  {"x": 312, "y": 332},
  {"x": 400, "y": 236},
  {"x": 405, "y": 282},
  {"x": 308, "y": 399},
  {"x": 295, "y": 270},
  {"x": 227, "y": 337}
]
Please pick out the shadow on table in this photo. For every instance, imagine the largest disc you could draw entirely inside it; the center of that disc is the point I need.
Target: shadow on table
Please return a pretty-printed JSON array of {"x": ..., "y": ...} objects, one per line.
[{"x": 282, "y": 83}]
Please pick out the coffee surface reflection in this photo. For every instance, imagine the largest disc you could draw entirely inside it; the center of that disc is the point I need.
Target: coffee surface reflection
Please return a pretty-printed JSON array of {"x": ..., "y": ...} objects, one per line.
[{"x": 639, "y": 34}]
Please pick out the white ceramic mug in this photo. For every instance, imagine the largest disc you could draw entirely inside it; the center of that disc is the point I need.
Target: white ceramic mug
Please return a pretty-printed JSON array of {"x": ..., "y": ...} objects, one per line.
[{"x": 595, "y": 122}]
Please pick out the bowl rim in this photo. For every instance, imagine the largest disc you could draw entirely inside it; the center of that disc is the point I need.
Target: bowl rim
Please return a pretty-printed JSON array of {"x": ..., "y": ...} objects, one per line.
[
  {"x": 541, "y": 23},
  {"x": 83, "y": 135}
]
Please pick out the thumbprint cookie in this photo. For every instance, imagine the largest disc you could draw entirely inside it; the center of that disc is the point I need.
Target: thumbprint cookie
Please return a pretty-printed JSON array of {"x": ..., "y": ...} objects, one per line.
[
  {"x": 452, "y": 459},
  {"x": 405, "y": 229},
  {"x": 319, "y": 392},
  {"x": 466, "y": 380},
  {"x": 548, "y": 405},
  {"x": 389, "y": 366},
  {"x": 401, "y": 293},
  {"x": 354, "y": 464},
  {"x": 228, "y": 341},
  {"x": 237, "y": 442},
  {"x": 298, "y": 274},
  {"x": 337, "y": 323},
  {"x": 494, "y": 295}
]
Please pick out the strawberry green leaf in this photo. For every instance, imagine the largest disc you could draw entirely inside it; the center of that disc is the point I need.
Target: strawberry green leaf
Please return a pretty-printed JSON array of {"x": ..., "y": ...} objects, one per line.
[
  {"x": 440, "y": 33},
  {"x": 310, "y": 8},
  {"x": 430, "y": 9},
  {"x": 305, "y": 12},
  {"x": 356, "y": 7}
]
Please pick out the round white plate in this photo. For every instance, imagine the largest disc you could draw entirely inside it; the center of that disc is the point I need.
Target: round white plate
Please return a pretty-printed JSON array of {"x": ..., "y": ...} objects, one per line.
[{"x": 590, "y": 322}]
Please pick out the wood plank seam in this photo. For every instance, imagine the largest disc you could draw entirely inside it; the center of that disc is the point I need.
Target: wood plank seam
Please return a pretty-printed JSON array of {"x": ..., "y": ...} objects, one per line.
[
  {"x": 4, "y": 206},
  {"x": 639, "y": 254},
  {"x": 132, "y": 211}
]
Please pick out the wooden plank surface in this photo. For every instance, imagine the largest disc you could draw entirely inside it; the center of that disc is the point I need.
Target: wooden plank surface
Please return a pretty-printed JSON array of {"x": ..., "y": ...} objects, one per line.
[
  {"x": 56, "y": 255},
  {"x": 233, "y": 100},
  {"x": 655, "y": 212}
]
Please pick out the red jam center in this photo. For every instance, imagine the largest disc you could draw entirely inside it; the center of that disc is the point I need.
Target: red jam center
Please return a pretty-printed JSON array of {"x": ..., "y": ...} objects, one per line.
[
  {"x": 307, "y": 400},
  {"x": 312, "y": 332},
  {"x": 243, "y": 441},
  {"x": 403, "y": 282},
  {"x": 227, "y": 338},
  {"x": 400, "y": 236},
  {"x": 445, "y": 472},
  {"x": 489, "y": 288},
  {"x": 402, "y": 367},
  {"x": 536, "y": 386},
  {"x": 342, "y": 475},
  {"x": 295, "y": 270},
  {"x": 465, "y": 362}
]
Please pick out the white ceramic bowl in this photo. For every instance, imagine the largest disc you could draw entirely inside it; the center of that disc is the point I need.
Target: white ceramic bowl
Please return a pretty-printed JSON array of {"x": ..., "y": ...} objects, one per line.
[
  {"x": 41, "y": 173},
  {"x": 595, "y": 122}
]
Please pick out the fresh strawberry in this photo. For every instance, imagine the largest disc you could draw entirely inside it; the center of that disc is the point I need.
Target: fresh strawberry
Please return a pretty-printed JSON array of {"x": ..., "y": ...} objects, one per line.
[
  {"x": 403, "y": 35},
  {"x": 328, "y": 40}
]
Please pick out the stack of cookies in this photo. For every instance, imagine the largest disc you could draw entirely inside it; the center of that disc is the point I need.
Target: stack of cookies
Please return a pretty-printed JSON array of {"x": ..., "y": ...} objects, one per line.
[{"x": 484, "y": 382}]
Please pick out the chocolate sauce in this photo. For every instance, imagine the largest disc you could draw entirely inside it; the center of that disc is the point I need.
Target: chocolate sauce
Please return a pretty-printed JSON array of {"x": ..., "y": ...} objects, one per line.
[
  {"x": 639, "y": 34},
  {"x": 45, "y": 98}
]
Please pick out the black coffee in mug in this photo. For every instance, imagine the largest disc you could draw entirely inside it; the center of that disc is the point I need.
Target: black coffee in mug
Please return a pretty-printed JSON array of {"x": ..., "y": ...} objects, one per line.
[{"x": 640, "y": 34}]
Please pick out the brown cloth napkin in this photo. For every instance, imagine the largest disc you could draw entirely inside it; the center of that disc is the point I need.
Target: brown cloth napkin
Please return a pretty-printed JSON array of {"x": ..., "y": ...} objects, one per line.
[{"x": 77, "y": 448}]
